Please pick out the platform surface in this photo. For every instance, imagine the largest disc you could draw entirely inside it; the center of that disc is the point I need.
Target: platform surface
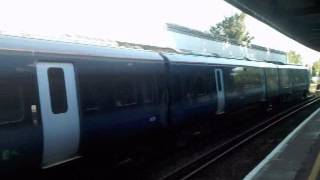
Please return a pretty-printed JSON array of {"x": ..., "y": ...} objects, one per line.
[{"x": 296, "y": 157}]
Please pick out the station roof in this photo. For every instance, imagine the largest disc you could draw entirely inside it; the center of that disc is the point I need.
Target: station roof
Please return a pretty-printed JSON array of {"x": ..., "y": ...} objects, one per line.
[{"x": 298, "y": 19}]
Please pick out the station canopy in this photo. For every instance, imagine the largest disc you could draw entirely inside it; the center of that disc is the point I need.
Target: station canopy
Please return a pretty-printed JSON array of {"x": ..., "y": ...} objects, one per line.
[{"x": 298, "y": 19}]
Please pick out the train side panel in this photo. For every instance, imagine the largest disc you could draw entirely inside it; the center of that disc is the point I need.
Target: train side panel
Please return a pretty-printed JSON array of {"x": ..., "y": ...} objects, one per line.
[
  {"x": 285, "y": 84},
  {"x": 20, "y": 120},
  {"x": 121, "y": 100},
  {"x": 299, "y": 80},
  {"x": 193, "y": 92},
  {"x": 293, "y": 83},
  {"x": 244, "y": 87},
  {"x": 272, "y": 85}
]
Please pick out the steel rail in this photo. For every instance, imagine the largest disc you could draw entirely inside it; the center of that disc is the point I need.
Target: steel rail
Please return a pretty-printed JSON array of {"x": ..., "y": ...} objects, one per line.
[{"x": 193, "y": 167}]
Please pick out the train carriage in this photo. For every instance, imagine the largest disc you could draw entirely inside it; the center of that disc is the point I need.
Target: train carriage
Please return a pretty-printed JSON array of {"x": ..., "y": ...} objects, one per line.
[
  {"x": 293, "y": 82},
  {"x": 207, "y": 86},
  {"x": 60, "y": 101}
]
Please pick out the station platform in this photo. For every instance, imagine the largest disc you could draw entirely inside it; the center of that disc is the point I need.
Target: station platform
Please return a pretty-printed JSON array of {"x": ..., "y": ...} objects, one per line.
[{"x": 296, "y": 157}]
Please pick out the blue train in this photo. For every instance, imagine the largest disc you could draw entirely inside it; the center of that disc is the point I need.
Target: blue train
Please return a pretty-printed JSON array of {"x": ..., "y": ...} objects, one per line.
[{"x": 60, "y": 101}]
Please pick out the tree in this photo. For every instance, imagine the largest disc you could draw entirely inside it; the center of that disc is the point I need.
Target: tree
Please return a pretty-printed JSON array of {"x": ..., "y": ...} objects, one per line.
[
  {"x": 316, "y": 68},
  {"x": 294, "y": 58},
  {"x": 232, "y": 28}
]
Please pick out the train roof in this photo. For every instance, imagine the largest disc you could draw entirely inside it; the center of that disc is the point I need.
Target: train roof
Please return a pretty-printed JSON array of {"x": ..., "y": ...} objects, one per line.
[
  {"x": 199, "y": 59},
  {"x": 290, "y": 66},
  {"x": 34, "y": 46}
]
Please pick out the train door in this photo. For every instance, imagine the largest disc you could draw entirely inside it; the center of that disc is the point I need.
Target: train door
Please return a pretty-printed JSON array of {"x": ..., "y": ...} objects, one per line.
[
  {"x": 59, "y": 112},
  {"x": 220, "y": 91}
]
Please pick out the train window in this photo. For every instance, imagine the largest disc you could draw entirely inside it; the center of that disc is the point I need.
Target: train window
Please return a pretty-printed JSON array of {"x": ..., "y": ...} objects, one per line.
[
  {"x": 284, "y": 78},
  {"x": 246, "y": 77},
  {"x": 200, "y": 87},
  {"x": 148, "y": 91},
  {"x": 11, "y": 103},
  {"x": 126, "y": 94},
  {"x": 253, "y": 77},
  {"x": 57, "y": 90},
  {"x": 176, "y": 90},
  {"x": 196, "y": 87},
  {"x": 112, "y": 92},
  {"x": 272, "y": 79},
  {"x": 238, "y": 76},
  {"x": 299, "y": 77}
]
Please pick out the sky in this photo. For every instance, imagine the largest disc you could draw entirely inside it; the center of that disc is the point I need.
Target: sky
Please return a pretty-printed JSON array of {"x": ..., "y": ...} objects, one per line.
[{"x": 139, "y": 21}]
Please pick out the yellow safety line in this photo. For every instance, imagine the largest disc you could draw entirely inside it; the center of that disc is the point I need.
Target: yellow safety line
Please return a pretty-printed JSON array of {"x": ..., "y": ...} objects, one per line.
[{"x": 315, "y": 169}]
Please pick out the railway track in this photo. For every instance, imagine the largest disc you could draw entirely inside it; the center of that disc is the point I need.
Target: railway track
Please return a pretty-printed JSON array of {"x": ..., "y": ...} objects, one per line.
[{"x": 189, "y": 170}]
